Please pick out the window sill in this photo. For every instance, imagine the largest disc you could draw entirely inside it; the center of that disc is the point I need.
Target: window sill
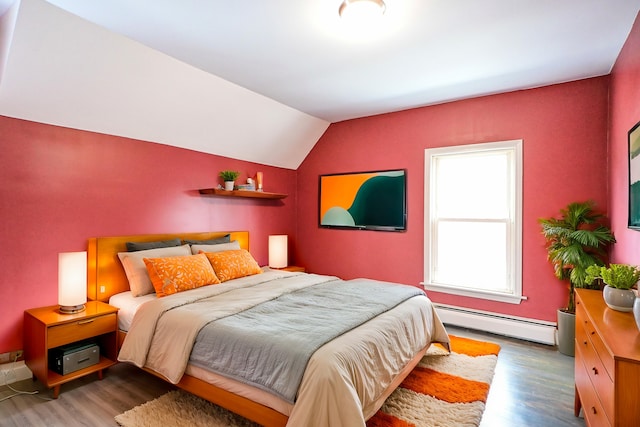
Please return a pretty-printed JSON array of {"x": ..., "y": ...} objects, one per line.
[{"x": 492, "y": 296}]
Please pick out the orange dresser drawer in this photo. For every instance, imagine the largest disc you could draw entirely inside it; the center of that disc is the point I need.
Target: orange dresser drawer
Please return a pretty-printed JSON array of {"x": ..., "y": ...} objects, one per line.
[
  {"x": 596, "y": 341},
  {"x": 594, "y": 414},
  {"x": 593, "y": 364},
  {"x": 82, "y": 329}
]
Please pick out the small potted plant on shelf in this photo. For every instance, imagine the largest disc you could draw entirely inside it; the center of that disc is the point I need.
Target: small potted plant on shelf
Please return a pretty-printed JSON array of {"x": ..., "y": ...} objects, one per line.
[
  {"x": 575, "y": 241},
  {"x": 619, "y": 279},
  {"x": 229, "y": 177}
]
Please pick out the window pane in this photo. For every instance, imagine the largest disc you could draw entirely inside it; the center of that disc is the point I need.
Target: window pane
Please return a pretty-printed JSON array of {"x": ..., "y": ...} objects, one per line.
[
  {"x": 472, "y": 185},
  {"x": 473, "y": 220},
  {"x": 471, "y": 255}
]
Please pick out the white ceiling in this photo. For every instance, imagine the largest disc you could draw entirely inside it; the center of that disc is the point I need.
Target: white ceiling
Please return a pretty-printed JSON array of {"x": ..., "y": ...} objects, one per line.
[{"x": 425, "y": 52}]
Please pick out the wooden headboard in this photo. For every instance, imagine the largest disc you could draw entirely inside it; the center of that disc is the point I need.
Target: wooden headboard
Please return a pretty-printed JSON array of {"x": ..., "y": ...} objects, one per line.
[{"x": 105, "y": 275}]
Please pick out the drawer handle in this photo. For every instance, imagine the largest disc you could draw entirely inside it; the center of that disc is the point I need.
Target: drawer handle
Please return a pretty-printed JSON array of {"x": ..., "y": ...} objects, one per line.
[
  {"x": 584, "y": 342},
  {"x": 84, "y": 322},
  {"x": 593, "y": 409},
  {"x": 595, "y": 371}
]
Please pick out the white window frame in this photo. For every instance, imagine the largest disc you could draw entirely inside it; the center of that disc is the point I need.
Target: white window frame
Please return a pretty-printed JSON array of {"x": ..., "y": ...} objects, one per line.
[{"x": 514, "y": 229}]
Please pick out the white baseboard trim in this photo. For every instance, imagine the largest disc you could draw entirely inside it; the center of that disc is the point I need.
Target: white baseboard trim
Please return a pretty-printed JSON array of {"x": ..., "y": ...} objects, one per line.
[
  {"x": 14, "y": 372},
  {"x": 517, "y": 327}
]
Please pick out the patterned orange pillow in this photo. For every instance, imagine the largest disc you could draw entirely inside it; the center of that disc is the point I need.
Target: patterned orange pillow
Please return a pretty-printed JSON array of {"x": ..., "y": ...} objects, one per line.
[
  {"x": 233, "y": 264},
  {"x": 179, "y": 273}
]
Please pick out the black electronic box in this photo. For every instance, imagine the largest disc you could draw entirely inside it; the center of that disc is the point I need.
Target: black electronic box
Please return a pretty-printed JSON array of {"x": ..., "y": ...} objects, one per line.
[{"x": 73, "y": 357}]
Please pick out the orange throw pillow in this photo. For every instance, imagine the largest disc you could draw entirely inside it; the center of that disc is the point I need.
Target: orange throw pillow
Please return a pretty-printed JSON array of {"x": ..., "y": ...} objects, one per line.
[
  {"x": 179, "y": 273},
  {"x": 233, "y": 264}
]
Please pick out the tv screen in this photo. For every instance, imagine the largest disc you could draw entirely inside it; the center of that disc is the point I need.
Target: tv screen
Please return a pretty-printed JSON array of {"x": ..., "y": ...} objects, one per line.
[{"x": 364, "y": 200}]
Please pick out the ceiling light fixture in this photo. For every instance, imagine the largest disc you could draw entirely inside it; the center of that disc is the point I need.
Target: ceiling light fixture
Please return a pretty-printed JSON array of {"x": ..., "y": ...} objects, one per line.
[{"x": 362, "y": 8}]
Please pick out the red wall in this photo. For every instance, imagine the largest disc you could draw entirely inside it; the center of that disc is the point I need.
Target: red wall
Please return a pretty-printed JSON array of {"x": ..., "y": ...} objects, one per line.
[
  {"x": 564, "y": 129},
  {"x": 624, "y": 113},
  {"x": 61, "y": 186}
]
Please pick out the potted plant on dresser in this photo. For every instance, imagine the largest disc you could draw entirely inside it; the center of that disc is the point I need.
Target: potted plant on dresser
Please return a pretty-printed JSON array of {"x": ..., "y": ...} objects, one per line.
[
  {"x": 619, "y": 279},
  {"x": 576, "y": 240}
]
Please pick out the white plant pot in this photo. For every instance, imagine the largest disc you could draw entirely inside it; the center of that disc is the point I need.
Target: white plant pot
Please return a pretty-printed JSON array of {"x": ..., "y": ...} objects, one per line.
[
  {"x": 619, "y": 299},
  {"x": 228, "y": 185}
]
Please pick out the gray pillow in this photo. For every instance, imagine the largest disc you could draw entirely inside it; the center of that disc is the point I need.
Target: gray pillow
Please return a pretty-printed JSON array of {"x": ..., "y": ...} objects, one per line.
[
  {"x": 219, "y": 240},
  {"x": 143, "y": 246}
]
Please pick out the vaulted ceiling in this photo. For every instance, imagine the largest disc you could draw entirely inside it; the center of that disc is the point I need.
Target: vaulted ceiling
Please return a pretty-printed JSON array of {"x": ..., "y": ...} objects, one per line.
[{"x": 262, "y": 80}]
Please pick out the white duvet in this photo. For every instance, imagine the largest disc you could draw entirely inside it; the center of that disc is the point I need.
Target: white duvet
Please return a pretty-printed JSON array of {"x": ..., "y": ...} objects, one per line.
[{"x": 344, "y": 379}]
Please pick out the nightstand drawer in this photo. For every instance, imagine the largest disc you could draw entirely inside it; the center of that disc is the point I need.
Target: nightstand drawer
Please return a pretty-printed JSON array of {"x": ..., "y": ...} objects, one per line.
[{"x": 84, "y": 328}]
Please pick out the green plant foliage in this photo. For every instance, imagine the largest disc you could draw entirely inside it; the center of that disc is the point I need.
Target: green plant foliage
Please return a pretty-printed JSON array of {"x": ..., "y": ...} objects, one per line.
[
  {"x": 229, "y": 175},
  {"x": 620, "y": 276},
  {"x": 575, "y": 241}
]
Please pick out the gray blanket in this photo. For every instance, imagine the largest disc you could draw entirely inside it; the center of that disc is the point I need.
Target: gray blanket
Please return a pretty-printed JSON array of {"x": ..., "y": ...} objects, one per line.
[{"x": 268, "y": 346}]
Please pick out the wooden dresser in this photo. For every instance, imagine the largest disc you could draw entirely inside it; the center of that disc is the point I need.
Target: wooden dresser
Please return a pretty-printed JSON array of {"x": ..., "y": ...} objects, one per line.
[{"x": 607, "y": 365}]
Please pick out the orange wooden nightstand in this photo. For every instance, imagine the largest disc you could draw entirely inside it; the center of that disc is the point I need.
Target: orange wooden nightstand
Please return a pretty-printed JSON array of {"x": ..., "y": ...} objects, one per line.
[
  {"x": 45, "y": 328},
  {"x": 293, "y": 268}
]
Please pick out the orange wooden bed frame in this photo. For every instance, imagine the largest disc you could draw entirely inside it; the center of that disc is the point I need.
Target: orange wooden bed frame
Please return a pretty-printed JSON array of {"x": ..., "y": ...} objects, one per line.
[{"x": 106, "y": 277}]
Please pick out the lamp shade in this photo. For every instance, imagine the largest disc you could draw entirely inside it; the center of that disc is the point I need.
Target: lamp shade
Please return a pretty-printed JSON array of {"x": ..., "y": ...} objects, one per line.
[
  {"x": 278, "y": 256},
  {"x": 361, "y": 9},
  {"x": 72, "y": 281}
]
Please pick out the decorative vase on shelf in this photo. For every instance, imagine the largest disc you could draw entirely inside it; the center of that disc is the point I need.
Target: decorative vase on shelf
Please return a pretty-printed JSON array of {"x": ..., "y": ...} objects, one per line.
[
  {"x": 228, "y": 185},
  {"x": 619, "y": 299},
  {"x": 636, "y": 308}
]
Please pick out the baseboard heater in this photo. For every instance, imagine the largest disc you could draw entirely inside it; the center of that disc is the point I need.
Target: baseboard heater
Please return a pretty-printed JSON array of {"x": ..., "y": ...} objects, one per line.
[{"x": 517, "y": 327}]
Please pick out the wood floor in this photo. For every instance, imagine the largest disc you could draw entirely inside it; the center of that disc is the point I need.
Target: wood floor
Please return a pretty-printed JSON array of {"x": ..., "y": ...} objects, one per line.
[{"x": 533, "y": 386}]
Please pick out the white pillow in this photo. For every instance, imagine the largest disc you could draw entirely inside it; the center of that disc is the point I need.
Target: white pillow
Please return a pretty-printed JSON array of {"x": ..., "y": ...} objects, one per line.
[
  {"x": 220, "y": 247},
  {"x": 136, "y": 271}
]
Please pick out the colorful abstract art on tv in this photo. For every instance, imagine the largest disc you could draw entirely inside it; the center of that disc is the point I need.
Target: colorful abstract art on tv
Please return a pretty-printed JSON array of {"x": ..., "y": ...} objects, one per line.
[{"x": 364, "y": 200}]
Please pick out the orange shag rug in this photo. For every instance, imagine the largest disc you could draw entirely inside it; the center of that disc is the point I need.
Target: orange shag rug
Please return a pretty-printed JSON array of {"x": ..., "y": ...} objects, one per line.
[{"x": 444, "y": 390}]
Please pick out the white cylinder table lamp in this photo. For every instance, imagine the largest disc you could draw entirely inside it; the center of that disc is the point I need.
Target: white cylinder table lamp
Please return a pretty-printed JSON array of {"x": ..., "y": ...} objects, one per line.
[
  {"x": 278, "y": 257},
  {"x": 72, "y": 282}
]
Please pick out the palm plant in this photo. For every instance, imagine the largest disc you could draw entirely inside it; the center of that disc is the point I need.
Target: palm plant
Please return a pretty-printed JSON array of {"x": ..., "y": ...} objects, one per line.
[{"x": 575, "y": 241}]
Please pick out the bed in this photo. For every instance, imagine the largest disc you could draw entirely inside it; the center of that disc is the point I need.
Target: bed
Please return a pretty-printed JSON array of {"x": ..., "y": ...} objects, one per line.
[{"x": 345, "y": 381}]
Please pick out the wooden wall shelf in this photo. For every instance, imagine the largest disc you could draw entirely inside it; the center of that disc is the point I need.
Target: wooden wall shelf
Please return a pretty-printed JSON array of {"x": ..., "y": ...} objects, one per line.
[{"x": 241, "y": 193}]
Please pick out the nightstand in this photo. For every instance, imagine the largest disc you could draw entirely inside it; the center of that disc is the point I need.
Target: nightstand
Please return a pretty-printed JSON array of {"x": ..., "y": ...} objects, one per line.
[
  {"x": 293, "y": 268},
  {"x": 46, "y": 328}
]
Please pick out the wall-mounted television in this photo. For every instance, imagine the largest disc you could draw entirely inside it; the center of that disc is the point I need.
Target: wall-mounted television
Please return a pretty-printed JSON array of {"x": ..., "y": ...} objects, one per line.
[{"x": 364, "y": 200}]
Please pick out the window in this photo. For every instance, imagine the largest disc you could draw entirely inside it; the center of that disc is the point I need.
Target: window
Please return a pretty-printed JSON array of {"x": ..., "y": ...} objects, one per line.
[{"x": 473, "y": 220}]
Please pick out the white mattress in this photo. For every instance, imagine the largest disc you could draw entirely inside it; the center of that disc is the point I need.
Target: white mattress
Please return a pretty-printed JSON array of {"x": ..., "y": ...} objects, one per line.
[{"x": 128, "y": 305}]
